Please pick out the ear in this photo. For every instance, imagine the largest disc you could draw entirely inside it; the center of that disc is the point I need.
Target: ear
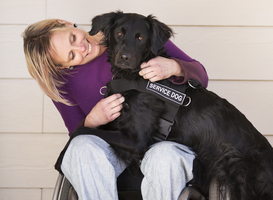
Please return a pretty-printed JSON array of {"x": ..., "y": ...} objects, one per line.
[
  {"x": 160, "y": 34},
  {"x": 65, "y": 22},
  {"x": 104, "y": 21}
]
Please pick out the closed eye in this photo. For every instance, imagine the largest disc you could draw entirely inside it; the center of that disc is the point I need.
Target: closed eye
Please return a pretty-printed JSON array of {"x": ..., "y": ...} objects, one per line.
[
  {"x": 72, "y": 55},
  {"x": 74, "y": 38}
]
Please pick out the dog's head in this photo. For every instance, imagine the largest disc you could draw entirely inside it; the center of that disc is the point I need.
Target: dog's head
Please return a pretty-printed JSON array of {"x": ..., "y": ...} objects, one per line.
[{"x": 131, "y": 38}]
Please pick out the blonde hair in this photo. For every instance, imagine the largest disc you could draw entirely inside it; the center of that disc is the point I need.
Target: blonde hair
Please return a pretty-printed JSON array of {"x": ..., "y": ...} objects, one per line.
[{"x": 38, "y": 49}]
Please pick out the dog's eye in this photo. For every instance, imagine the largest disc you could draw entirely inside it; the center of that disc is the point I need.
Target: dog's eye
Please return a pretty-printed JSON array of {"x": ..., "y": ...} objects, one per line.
[
  {"x": 140, "y": 38},
  {"x": 119, "y": 33}
]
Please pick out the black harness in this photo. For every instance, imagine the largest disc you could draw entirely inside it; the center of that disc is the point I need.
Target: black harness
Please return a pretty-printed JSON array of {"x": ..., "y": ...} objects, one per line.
[{"x": 173, "y": 95}]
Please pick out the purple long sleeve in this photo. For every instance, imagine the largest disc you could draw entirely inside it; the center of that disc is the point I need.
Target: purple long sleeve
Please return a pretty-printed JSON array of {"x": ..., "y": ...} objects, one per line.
[
  {"x": 192, "y": 68},
  {"x": 84, "y": 82}
]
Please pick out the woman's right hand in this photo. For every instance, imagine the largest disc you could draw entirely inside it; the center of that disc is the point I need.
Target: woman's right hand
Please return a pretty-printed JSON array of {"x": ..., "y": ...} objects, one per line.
[{"x": 105, "y": 111}]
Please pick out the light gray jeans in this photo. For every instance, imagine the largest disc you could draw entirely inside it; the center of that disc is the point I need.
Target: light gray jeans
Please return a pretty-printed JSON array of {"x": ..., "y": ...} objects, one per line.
[{"x": 92, "y": 168}]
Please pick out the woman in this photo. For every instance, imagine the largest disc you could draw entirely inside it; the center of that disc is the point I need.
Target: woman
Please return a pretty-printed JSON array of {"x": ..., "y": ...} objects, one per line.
[{"x": 71, "y": 67}]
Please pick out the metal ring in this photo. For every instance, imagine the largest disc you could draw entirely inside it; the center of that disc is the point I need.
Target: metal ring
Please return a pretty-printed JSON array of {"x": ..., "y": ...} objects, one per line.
[
  {"x": 189, "y": 102},
  {"x": 189, "y": 82},
  {"x": 103, "y": 87}
]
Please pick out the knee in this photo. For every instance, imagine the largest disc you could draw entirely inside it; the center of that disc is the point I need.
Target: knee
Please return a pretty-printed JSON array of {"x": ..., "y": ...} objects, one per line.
[
  {"x": 168, "y": 155},
  {"x": 160, "y": 152},
  {"x": 168, "y": 151},
  {"x": 85, "y": 148},
  {"x": 86, "y": 145},
  {"x": 80, "y": 143}
]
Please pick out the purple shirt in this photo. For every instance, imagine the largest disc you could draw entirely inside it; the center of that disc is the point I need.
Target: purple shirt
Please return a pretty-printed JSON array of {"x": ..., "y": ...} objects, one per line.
[{"x": 83, "y": 83}]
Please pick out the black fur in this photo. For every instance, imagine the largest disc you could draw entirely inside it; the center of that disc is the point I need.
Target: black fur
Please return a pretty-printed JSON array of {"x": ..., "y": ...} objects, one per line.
[{"x": 227, "y": 145}]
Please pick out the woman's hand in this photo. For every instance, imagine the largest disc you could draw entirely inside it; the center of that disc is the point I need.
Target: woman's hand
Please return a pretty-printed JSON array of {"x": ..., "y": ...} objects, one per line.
[
  {"x": 160, "y": 68},
  {"x": 105, "y": 111}
]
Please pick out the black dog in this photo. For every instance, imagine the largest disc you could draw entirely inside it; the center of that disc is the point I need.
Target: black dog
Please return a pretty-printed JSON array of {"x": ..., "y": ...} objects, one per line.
[{"x": 227, "y": 145}]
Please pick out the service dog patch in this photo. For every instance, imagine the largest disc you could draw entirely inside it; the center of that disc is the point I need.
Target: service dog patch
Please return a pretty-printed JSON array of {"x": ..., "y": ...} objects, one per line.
[{"x": 166, "y": 92}]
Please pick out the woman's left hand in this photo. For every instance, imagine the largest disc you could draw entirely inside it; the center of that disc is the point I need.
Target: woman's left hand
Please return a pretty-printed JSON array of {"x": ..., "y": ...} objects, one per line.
[{"x": 160, "y": 68}]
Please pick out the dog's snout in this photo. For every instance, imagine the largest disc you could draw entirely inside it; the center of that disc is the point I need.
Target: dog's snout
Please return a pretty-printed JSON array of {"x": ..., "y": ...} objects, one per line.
[{"x": 126, "y": 57}]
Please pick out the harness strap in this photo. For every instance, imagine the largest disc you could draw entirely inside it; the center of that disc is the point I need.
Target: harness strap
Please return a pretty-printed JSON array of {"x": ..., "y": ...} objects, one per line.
[
  {"x": 173, "y": 96},
  {"x": 165, "y": 129}
]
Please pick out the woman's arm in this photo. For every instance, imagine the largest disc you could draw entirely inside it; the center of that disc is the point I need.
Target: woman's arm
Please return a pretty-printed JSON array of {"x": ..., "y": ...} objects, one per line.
[
  {"x": 179, "y": 69},
  {"x": 105, "y": 111}
]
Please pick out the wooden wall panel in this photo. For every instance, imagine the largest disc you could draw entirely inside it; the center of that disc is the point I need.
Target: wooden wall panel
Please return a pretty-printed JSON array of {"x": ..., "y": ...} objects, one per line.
[
  {"x": 27, "y": 160},
  {"x": 21, "y": 107},
  {"x": 52, "y": 120},
  {"x": 20, "y": 194},
  {"x": 234, "y": 53},
  {"x": 253, "y": 98},
  {"x": 22, "y": 12},
  {"x": 270, "y": 139},
  {"x": 47, "y": 194},
  {"x": 13, "y": 64},
  {"x": 172, "y": 12}
]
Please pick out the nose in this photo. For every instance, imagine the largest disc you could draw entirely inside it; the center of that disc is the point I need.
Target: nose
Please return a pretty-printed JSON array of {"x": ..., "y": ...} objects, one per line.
[
  {"x": 126, "y": 57},
  {"x": 80, "y": 47}
]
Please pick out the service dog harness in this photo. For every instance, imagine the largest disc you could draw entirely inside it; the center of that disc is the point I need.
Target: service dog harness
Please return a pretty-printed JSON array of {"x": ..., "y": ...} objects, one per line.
[{"x": 173, "y": 95}]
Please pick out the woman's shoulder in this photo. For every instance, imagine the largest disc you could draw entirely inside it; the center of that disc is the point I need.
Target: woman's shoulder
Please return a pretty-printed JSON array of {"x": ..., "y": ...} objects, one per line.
[
  {"x": 98, "y": 65},
  {"x": 94, "y": 72}
]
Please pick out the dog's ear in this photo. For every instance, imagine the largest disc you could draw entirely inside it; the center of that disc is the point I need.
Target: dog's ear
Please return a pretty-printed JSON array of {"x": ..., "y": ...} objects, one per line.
[
  {"x": 160, "y": 34},
  {"x": 104, "y": 23}
]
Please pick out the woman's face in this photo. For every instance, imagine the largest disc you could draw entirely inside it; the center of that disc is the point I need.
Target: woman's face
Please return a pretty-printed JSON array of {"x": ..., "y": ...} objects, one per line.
[{"x": 74, "y": 46}]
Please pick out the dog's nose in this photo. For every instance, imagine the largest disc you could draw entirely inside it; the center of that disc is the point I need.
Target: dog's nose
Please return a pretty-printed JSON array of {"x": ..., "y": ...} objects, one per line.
[{"x": 126, "y": 57}]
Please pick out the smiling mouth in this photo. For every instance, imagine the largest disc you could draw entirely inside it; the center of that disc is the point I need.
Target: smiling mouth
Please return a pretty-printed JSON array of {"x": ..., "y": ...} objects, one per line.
[{"x": 89, "y": 48}]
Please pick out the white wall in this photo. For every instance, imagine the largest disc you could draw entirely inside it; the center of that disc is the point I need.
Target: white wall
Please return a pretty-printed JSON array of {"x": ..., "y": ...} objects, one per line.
[{"x": 233, "y": 39}]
